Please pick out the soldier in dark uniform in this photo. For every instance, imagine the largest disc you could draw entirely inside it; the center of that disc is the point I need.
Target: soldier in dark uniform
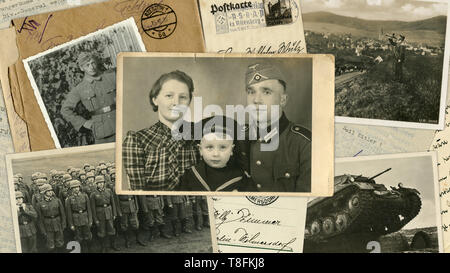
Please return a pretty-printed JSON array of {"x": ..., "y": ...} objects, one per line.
[
  {"x": 38, "y": 196},
  {"x": 52, "y": 218},
  {"x": 27, "y": 216},
  {"x": 288, "y": 167},
  {"x": 64, "y": 191},
  {"x": 129, "y": 224},
  {"x": 97, "y": 92},
  {"x": 399, "y": 58},
  {"x": 22, "y": 185},
  {"x": 19, "y": 187},
  {"x": 79, "y": 215},
  {"x": 176, "y": 210},
  {"x": 151, "y": 208},
  {"x": 104, "y": 213}
]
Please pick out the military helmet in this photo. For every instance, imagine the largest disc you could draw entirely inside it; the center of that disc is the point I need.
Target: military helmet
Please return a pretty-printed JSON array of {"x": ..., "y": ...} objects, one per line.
[
  {"x": 99, "y": 178},
  {"x": 90, "y": 174},
  {"x": 40, "y": 182},
  {"x": 43, "y": 176},
  {"x": 45, "y": 188},
  {"x": 82, "y": 172},
  {"x": 53, "y": 173},
  {"x": 35, "y": 176},
  {"x": 74, "y": 184},
  {"x": 101, "y": 162},
  {"x": 112, "y": 171},
  {"x": 16, "y": 180},
  {"x": 19, "y": 175},
  {"x": 19, "y": 194},
  {"x": 66, "y": 177},
  {"x": 86, "y": 165},
  {"x": 69, "y": 169},
  {"x": 103, "y": 167}
]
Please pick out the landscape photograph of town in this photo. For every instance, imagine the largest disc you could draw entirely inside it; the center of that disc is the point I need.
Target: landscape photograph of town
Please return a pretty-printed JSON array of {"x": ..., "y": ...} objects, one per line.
[{"x": 389, "y": 56}]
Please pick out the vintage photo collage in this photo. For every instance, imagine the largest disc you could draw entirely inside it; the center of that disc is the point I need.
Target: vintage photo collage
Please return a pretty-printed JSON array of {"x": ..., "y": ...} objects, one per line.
[{"x": 231, "y": 142}]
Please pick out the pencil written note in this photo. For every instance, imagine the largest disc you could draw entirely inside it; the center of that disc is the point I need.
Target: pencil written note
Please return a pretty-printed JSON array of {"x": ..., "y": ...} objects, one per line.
[
  {"x": 352, "y": 140},
  {"x": 257, "y": 224},
  {"x": 11, "y": 9},
  {"x": 6, "y": 222},
  {"x": 441, "y": 145}
]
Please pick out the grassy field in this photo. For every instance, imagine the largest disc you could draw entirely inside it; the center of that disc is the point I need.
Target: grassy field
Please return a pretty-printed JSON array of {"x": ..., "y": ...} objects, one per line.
[{"x": 60, "y": 162}]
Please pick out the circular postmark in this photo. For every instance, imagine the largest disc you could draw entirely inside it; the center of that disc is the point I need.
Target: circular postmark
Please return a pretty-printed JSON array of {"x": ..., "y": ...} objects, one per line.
[
  {"x": 159, "y": 21},
  {"x": 262, "y": 200}
]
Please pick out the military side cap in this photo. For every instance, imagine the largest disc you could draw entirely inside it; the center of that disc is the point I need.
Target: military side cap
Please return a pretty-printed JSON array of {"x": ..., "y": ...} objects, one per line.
[
  {"x": 67, "y": 177},
  {"x": 19, "y": 194},
  {"x": 90, "y": 174},
  {"x": 44, "y": 188},
  {"x": 262, "y": 72},
  {"x": 84, "y": 57},
  {"x": 74, "y": 184},
  {"x": 99, "y": 178}
]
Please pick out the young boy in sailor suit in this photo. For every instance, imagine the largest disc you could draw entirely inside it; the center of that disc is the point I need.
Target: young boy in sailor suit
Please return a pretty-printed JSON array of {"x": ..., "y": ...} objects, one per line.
[{"x": 217, "y": 169}]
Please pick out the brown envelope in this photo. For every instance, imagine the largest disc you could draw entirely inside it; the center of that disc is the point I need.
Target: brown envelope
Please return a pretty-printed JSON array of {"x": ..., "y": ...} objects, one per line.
[{"x": 38, "y": 33}]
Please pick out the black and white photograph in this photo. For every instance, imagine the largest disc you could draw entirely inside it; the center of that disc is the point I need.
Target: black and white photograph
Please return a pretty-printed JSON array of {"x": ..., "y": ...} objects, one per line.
[
  {"x": 381, "y": 204},
  {"x": 231, "y": 124},
  {"x": 391, "y": 59},
  {"x": 75, "y": 84},
  {"x": 278, "y": 12},
  {"x": 64, "y": 201}
]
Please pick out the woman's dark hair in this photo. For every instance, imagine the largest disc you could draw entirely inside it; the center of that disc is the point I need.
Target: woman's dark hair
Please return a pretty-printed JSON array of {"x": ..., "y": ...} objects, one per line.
[{"x": 174, "y": 75}]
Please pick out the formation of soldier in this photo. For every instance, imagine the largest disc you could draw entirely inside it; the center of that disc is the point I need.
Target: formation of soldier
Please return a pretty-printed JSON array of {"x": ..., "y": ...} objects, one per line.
[{"x": 80, "y": 204}]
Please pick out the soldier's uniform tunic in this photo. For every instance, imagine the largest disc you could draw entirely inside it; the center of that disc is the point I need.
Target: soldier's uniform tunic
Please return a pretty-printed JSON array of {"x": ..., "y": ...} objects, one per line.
[
  {"x": 127, "y": 210},
  {"x": 103, "y": 211},
  {"x": 27, "y": 217},
  {"x": 52, "y": 220},
  {"x": 286, "y": 169},
  {"x": 79, "y": 215},
  {"x": 152, "y": 209},
  {"x": 98, "y": 95}
]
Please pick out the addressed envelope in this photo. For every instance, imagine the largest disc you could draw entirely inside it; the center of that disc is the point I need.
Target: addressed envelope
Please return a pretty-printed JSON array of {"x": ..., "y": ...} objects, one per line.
[
  {"x": 164, "y": 25},
  {"x": 255, "y": 224},
  {"x": 261, "y": 26}
]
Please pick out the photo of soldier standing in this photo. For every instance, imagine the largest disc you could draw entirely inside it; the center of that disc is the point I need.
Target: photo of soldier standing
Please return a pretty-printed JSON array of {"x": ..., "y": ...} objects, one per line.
[
  {"x": 97, "y": 92},
  {"x": 27, "y": 224},
  {"x": 52, "y": 219},
  {"x": 79, "y": 215},
  {"x": 98, "y": 220}
]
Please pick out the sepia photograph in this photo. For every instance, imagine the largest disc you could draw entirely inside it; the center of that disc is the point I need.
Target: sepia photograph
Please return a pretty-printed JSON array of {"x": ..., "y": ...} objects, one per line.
[
  {"x": 278, "y": 12},
  {"x": 381, "y": 204},
  {"x": 65, "y": 201},
  {"x": 75, "y": 84},
  {"x": 232, "y": 124},
  {"x": 391, "y": 59}
]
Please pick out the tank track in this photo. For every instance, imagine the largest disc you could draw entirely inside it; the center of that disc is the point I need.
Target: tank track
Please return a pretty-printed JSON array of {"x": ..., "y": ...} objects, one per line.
[{"x": 362, "y": 214}]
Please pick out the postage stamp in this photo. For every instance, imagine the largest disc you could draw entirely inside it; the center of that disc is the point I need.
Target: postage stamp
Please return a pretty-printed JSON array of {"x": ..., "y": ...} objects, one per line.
[
  {"x": 231, "y": 17},
  {"x": 159, "y": 21}
]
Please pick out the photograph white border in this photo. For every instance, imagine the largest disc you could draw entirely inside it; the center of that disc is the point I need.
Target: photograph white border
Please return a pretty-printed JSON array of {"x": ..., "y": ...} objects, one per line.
[
  {"x": 32, "y": 155},
  {"x": 443, "y": 99},
  {"x": 322, "y": 123},
  {"x": 433, "y": 155},
  {"x": 128, "y": 22}
]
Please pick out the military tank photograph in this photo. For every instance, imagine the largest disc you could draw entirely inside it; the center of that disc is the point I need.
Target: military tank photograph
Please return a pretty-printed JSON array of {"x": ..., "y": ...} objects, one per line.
[{"x": 365, "y": 209}]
